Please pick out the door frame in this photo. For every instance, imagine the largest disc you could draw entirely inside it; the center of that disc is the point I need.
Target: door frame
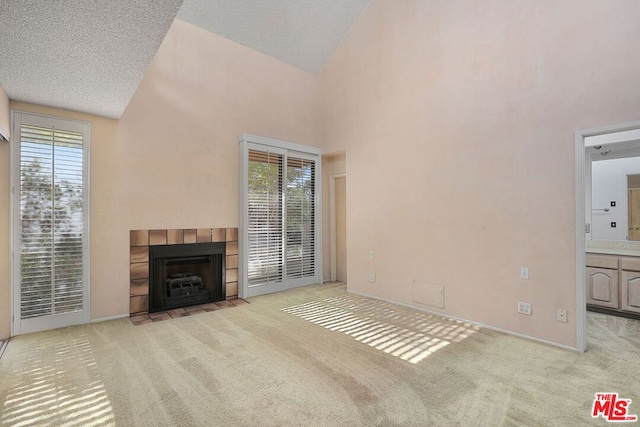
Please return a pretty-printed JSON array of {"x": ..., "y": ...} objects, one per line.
[
  {"x": 290, "y": 149},
  {"x": 14, "y": 275},
  {"x": 332, "y": 223},
  {"x": 581, "y": 199}
]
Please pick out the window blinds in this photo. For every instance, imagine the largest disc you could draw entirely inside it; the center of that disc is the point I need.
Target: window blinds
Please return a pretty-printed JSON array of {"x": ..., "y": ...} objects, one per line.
[
  {"x": 281, "y": 218},
  {"x": 301, "y": 195},
  {"x": 51, "y": 221},
  {"x": 265, "y": 227}
]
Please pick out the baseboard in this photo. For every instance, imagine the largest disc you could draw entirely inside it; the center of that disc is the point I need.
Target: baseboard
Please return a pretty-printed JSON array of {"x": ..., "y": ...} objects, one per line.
[
  {"x": 482, "y": 325},
  {"x": 106, "y": 319}
]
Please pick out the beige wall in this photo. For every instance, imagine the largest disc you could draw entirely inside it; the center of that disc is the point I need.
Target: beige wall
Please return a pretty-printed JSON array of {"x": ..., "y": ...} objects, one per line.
[
  {"x": 103, "y": 138},
  {"x": 459, "y": 121},
  {"x": 178, "y": 149},
  {"x": 172, "y": 160}
]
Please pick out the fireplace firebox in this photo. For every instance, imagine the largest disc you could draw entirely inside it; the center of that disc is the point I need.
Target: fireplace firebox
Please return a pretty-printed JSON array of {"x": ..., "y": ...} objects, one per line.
[{"x": 187, "y": 274}]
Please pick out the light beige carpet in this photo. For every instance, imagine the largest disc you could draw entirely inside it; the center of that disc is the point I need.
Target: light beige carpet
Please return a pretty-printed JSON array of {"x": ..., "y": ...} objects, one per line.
[{"x": 313, "y": 356}]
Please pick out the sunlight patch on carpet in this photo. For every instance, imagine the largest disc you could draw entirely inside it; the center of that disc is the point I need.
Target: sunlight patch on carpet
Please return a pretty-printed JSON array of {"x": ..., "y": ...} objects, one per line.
[
  {"x": 59, "y": 384},
  {"x": 407, "y": 334}
]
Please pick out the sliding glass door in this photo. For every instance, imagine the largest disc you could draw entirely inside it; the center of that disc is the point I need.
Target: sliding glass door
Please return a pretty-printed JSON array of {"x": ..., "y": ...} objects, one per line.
[
  {"x": 280, "y": 216},
  {"x": 50, "y": 200}
]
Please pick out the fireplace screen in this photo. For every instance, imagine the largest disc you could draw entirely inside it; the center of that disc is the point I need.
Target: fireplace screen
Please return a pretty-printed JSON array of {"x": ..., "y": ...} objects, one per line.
[{"x": 182, "y": 275}]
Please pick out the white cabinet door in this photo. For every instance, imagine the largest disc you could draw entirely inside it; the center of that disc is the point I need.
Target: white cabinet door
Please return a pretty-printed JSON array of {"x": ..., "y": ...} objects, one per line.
[
  {"x": 630, "y": 290},
  {"x": 602, "y": 287}
]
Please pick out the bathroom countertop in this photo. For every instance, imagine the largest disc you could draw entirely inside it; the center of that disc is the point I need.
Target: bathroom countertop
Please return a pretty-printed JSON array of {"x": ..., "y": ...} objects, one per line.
[
  {"x": 613, "y": 251},
  {"x": 624, "y": 248}
]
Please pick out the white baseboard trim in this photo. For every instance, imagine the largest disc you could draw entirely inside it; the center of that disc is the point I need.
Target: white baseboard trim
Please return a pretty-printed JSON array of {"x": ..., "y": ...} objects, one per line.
[
  {"x": 482, "y": 325},
  {"x": 106, "y": 319}
]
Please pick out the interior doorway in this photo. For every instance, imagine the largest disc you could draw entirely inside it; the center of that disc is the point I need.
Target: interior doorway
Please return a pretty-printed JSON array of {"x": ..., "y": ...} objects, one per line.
[
  {"x": 334, "y": 216},
  {"x": 596, "y": 228},
  {"x": 338, "y": 224}
]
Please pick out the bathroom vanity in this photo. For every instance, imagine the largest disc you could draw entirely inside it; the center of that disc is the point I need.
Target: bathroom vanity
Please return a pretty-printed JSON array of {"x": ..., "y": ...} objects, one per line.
[{"x": 613, "y": 281}]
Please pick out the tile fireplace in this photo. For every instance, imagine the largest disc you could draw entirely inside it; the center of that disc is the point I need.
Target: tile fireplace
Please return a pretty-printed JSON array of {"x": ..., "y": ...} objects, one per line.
[{"x": 180, "y": 267}]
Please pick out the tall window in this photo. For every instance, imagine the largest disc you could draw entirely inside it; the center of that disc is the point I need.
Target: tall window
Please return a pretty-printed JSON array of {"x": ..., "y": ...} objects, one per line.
[
  {"x": 50, "y": 214},
  {"x": 280, "y": 240}
]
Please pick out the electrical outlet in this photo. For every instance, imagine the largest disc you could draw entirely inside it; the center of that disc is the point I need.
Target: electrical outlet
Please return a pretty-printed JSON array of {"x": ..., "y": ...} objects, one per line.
[
  {"x": 372, "y": 277},
  {"x": 524, "y": 273},
  {"x": 524, "y": 308},
  {"x": 561, "y": 315},
  {"x": 370, "y": 254}
]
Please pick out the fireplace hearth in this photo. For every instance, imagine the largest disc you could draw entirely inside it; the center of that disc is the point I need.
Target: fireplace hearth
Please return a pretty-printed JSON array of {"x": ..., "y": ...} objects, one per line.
[{"x": 186, "y": 274}]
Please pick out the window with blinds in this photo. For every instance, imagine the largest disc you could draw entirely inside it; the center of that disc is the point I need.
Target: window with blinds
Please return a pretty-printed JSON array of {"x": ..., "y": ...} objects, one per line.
[
  {"x": 300, "y": 226},
  {"x": 280, "y": 240},
  {"x": 51, "y": 221},
  {"x": 265, "y": 227}
]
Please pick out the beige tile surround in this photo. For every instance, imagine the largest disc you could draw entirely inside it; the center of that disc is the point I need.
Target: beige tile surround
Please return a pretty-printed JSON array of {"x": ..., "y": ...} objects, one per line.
[{"x": 140, "y": 240}]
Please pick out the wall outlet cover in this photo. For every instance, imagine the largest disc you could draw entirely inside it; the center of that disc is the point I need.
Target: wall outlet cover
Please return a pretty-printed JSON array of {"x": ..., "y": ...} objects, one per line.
[
  {"x": 561, "y": 315},
  {"x": 524, "y": 308}
]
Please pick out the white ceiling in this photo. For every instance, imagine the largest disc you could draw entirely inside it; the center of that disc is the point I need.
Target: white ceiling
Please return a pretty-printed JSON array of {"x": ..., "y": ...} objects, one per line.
[
  {"x": 303, "y": 33},
  {"x": 90, "y": 56}
]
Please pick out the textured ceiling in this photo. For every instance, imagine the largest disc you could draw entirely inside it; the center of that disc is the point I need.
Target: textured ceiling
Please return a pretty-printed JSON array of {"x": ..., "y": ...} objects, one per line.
[
  {"x": 80, "y": 55},
  {"x": 90, "y": 56},
  {"x": 303, "y": 33}
]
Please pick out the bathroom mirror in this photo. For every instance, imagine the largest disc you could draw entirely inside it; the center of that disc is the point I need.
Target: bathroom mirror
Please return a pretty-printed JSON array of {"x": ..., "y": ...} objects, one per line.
[{"x": 614, "y": 189}]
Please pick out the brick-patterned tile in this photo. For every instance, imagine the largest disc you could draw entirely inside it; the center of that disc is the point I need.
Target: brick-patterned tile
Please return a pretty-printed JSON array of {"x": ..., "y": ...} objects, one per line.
[
  {"x": 232, "y": 248},
  {"x": 231, "y": 275},
  {"x": 139, "y": 271},
  {"x": 175, "y": 237},
  {"x": 139, "y": 238},
  {"x": 139, "y": 254},
  {"x": 203, "y": 235},
  {"x": 231, "y": 261},
  {"x": 195, "y": 309},
  {"x": 232, "y": 234},
  {"x": 219, "y": 235},
  {"x": 160, "y": 315},
  {"x": 210, "y": 307},
  {"x": 231, "y": 289},
  {"x": 157, "y": 237},
  {"x": 191, "y": 235},
  {"x": 140, "y": 317},
  {"x": 139, "y": 287},
  {"x": 178, "y": 312},
  {"x": 223, "y": 304},
  {"x": 138, "y": 304}
]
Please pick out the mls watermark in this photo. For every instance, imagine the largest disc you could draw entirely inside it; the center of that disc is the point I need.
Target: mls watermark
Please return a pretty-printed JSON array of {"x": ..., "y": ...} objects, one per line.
[{"x": 612, "y": 408}]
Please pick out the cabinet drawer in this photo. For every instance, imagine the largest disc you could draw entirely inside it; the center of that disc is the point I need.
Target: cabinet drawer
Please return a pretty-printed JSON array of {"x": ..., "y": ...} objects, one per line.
[
  {"x": 602, "y": 261},
  {"x": 630, "y": 264}
]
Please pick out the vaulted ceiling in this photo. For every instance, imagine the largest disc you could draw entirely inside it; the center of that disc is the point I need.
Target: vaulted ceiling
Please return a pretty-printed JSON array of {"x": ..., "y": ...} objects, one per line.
[{"x": 91, "y": 56}]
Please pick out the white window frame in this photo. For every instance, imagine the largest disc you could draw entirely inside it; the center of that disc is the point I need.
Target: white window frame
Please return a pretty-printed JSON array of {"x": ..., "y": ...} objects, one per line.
[
  {"x": 18, "y": 326},
  {"x": 247, "y": 142}
]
